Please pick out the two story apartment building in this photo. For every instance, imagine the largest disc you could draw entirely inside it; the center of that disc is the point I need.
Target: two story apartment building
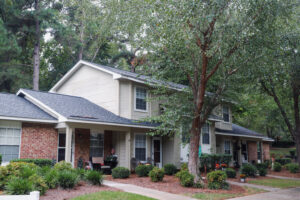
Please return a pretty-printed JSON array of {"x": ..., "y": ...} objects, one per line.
[{"x": 94, "y": 110}]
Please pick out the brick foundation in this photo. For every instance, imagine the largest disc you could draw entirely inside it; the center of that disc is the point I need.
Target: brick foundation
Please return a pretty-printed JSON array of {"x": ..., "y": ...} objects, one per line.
[
  {"x": 38, "y": 141},
  {"x": 266, "y": 151},
  {"x": 82, "y": 145},
  {"x": 252, "y": 151}
]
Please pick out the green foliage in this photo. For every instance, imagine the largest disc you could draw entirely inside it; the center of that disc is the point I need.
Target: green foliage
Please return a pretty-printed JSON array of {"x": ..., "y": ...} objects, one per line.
[
  {"x": 184, "y": 166},
  {"x": 18, "y": 186},
  {"x": 217, "y": 180},
  {"x": 51, "y": 178},
  {"x": 63, "y": 165},
  {"x": 249, "y": 170},
  {"x": 186, "y": 179},
  {"x": 0, "y": 159},
  {"x": 277, "y": 167},
  {"x": 293, "y": 153},
  {"x": 231, "y": 173},
  {"x": 156, "y": 174},
  {"x": 170, "y": 169},
  {"x": 262, "y": 171},
  {"x": 38, "y": 162},
  {"x": 67, "y": 179},
  {"x": 283, "y": 161},
  {"x": 94, "y": 177},
  {"x": 210, "y": 160},
  {"x": 120, "y": 172},
  {"x": 38, "y": 183},
  {"x": 4, "y": 175},
  {"x": 293, "y": 167},
  {"x": 143, "y": 170},
  {"x": 81, "y": 173}
]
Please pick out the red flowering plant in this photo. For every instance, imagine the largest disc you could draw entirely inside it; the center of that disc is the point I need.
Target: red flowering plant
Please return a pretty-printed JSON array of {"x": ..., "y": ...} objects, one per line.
[
  {"x": 218, "y": 166},
  {"x": 223, "y": 165}
]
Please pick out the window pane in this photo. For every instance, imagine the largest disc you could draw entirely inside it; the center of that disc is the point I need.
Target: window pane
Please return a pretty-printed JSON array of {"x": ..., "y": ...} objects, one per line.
[
  {"x": 140, "y": 141},
  {"x": 140, "y": 154},
  {"x": 96, "y": 145},
  {"x": 225, "y": 113},
  {"x": 140, "y": 101},
  {"x": 205, "y": 138},
  {"x": 62, "y": 140},
  {"x": 227, "y": 147},
  {"x": 9, "y": 152},
  {"x": 61, "y": 154}
]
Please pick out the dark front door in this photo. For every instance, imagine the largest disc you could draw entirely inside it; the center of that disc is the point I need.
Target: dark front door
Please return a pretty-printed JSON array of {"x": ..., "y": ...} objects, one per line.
[{"x": 156, "y": 151}]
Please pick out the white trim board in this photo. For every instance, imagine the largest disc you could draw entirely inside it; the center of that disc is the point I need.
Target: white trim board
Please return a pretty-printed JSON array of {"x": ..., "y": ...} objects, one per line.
[
  {"x": 239, "y": 135},
  {"x": 28, "y": 119}
]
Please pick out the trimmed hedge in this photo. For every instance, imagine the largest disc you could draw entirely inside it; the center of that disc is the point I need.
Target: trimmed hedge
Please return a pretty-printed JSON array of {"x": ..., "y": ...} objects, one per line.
[
  {"x": 67, "y": 179},
  {"x": 217, "y": 180},
  {"x": 277, "y": 167},
  {"x": 231, "y": 173},
  {"x": 38, "y": 162},
  {"x": 292, "y": 167},
  {"x": 94, "y": 177},
  {"x": 156, "y": 174},
  {"x": 283, "y": 161},
  {"x": 262, "y": 171},
  {"x": 170, "y": 169},
  {"x": 143, "y": 170},
  {"x": 249, "y": 170},
  {"x": 120, "y": 172},
  {"x": 186, "y": 179},
  {"x": 63, "y": 165}
]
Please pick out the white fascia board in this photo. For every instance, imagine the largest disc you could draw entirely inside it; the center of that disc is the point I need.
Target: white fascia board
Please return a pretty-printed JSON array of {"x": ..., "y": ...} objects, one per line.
[
  {"x": 109, "y": 124},
  {"x": 214, "y": 120},
  {"x": 239, "y": 135},
  {"x": 28, "y": 119},
  {"x": 42, "y": 106}
]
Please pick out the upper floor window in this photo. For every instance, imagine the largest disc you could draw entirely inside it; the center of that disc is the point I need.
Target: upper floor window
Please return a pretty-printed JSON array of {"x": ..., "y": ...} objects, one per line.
[
  {"x": 226, "y": 113},
  {"x": 205, "y": 134},
  {"x": 140, "y": 98},
  {"x": 227, "y": 148}
]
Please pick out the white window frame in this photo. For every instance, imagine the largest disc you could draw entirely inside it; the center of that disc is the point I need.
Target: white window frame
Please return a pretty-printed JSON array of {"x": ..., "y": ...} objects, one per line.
[
  {"x": 100, "y": 133},
  {"x": 20, "y": 141},
  {"x": 229, "y": 147},
  {"x": 136, "y": 109},
  {"x": 206, "y": 124},
  {"x": 146, "y": 149}
]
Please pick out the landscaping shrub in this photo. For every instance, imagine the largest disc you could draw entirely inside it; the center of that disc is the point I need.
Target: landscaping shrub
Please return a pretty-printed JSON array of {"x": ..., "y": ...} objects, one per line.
[
  {"x": 38, "y": 183},
  {"x": 120, "y": 172},
  {"x": 277, "y": 167},
  {"x": 283, "y": 161},
  {"x": 63, "y": 165},
  {"x": 186, "y": 179},
  {"x": 15, "y": 168},
  {"x": 0, "y": 159},
  {"x": 51, "y": 178},
  {"x": 261, "y": 166},
  {"x": 67, "y": 179},
  {"x": 170, "y": 169},
  {"x": 81, "y": 173},
  {"x": 156, "y": 174},
  {"x": 3, "y": 177},
  {"x": 38, "y": 162},
  {"x": 143, "y": 170},
  {"x": 262, "y": 171},
  {"x": 184, "y": 166},
  {"x": 210, "y": 160},
  {"x": 231, "y": 173},
  {"x": 249, "y": 170},
  {"x": 293, "y": 153},
  {"x": 18, "y": 186},
  {"x": 42, "y": 171},
  {"x": 217, "y": 180},
  {"x": 94, "y": 177},
  {"x": 292, "y": 167}
]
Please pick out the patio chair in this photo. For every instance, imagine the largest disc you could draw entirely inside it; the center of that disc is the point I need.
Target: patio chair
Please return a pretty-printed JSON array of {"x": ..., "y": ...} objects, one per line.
[{"x": 98, "y": 164}]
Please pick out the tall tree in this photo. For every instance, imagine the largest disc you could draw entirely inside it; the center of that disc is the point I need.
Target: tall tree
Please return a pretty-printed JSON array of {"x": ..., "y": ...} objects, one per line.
[{"x": 36, "y": 53}]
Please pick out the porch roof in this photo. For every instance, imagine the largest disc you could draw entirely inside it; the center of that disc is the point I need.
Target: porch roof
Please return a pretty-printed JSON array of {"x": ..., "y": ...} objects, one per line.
[
  {"x": 240, "y": 131},
  {"x": 80, "y": 109}
]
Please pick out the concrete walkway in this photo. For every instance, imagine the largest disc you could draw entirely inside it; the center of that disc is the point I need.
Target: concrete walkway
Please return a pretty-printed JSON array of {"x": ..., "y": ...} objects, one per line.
[
  {"x": 283, "y": 177},
  {"x": 284, "y": 194},
  {"x": 146, "y": 191},
  {"x": 271, "y": 189}
]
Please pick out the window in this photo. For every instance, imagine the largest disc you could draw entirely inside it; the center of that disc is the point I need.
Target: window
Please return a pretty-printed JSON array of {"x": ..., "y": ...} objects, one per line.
[
  {"x": 140, "y": 147},
  {"x": 61, "y": 146},
  {"x": 226, "y": 113},
  {"x": 9, "y": 143},
  {"x": 140, "y": 98},
  {"x": 227, "y": 147},
  {"x": 96, "y": 145},
  {"x": 205, "y": 134},
  {"x": 259, "y": 151}
]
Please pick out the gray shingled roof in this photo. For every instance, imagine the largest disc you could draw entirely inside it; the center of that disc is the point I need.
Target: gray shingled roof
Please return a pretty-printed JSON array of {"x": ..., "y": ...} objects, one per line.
[
  {"x": 78, "y": 108},
  {"x": 239, "y": 130},
  {"x": 12, "y": 105},
  {"x": 139, "y": 76}
]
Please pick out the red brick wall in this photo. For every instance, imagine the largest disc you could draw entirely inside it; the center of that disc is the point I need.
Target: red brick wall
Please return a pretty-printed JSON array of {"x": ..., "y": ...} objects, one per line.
[
  {"x": 82, "y": 145},
  {"x": 252, "y": 151},
  {"x": 38, "y": 141},
  {"x": 266, "y": 151}
]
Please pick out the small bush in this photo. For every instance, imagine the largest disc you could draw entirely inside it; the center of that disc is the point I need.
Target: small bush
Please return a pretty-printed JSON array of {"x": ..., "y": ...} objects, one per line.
[
  {"x": 262, "y": 171},
  {"x": 67, "y": 179},
  {"x": 143, "y": 170},
  {"x": 217, "y": 180},
  {"x": 184, "y": 166},
  {"x": 261, "y": 166},
  {"x": 292, "y": 167},
  {"x": 277, "y": 167},
  {"x": 231, "y": 173},
  {"x": 38, "y": 162},
  {"x": 156, "y": 174},
  {"x": 38, "y": 183},
  {"x": 283, "y": 161},
  {"x": 120, "y": 172},
  {"x": 16, "y": 168},
  {"x": 170, "y": 169},
  {"x": 186, "y": 179},
  {"x": 51, "y": 178},
  {"x": 63, "y": 165},
  {"x": 249, "y": 170},
  {"x": 81, "y": 173},
  {"x": 3, "y": 177},
  {"x": 18, "y": 186},
  {"x": 94, "y": 177}
]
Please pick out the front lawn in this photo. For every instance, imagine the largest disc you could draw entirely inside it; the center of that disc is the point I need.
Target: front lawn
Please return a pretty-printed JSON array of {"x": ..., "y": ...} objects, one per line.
[
  {"x": 109, "y": 195},
  {"x": 221, "y": 196},
  {"x": 277, "y": 183}
]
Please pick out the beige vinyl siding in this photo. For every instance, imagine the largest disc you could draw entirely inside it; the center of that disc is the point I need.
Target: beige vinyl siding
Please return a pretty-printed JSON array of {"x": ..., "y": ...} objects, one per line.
[
  {"x": 125, "y": 99},
  {"x": 171, "y": 150},
  {"x": 120, "y": 148},
  {"x": 97, "y": 86}
]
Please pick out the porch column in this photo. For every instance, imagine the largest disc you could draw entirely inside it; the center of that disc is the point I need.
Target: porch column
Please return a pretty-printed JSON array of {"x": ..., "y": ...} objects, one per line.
[
  {"x": 128, "y": 149},
  {"x": 69, "y": 132}
]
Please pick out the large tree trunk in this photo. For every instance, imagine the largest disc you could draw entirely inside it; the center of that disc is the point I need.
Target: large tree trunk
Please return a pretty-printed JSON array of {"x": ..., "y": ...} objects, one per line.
[
  {"x": 193, "y": 164},
  {"x": 297, "y": 142},
  {"x": 36, "y": 56}
]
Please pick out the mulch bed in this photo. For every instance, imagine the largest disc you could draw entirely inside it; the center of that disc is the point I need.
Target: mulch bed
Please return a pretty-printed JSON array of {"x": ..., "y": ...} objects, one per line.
[
  {"x": 171, "y": 184},
  {"x": 284, "y": 173},
  {"x": 81, "y": 189}
]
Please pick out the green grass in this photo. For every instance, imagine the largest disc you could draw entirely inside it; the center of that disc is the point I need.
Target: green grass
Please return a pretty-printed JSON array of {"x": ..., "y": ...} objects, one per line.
[
  {"x": 221, "y": 196},
  {"x": 110, "y": 195},
  {"x": 277, "y": 183},
  {"x": 281, "y": 151}
]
